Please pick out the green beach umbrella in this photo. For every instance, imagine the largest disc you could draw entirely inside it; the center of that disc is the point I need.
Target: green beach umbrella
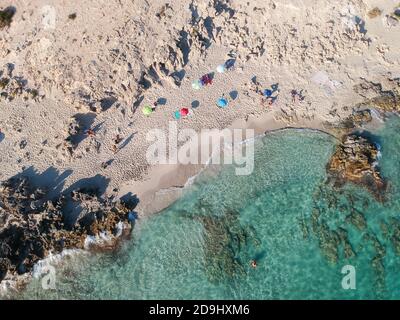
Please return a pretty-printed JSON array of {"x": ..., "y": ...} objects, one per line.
[
  {"x": 177, "y": 115},
  {"x": 147, "y": 110}
]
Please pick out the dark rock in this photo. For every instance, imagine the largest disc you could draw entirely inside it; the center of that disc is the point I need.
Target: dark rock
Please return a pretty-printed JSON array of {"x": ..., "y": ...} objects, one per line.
[
  {"x": 31, "y": 227},
  {"x": 72, "y": 16},
  {"x": 6, "y": 16},
  {"x": 4, "y": 266}
]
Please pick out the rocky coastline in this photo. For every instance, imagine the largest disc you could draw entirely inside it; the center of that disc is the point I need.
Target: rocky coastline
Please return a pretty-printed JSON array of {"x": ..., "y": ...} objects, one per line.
[
  {"x": 32, "y": 227},
  {"x": 355, "y": 160}
]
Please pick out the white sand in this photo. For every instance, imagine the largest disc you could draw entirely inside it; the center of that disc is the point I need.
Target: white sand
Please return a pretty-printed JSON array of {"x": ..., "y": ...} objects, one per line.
[{"x": 312, "y": 45}]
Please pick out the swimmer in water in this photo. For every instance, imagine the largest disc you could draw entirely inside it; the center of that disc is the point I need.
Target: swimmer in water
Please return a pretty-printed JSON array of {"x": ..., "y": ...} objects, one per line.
[{"x": 253, "y": 263}]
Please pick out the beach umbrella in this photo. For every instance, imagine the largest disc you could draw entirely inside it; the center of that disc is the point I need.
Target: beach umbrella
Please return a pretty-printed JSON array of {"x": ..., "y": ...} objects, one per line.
[
  {"x": 196, "y": 85},
  {"x": 229, "y": 63},
  {"x": 222, "y": 102},
  {"x": 267, "y": 92},
  {"x": 177, "y": 115},
  {"x": 221, "y": 68},
  {"x": 274, "y": 87},
  {"x": 184, "y": 112},
  {"x": 147, "y": 110},
  {"x": 206, "y": 79}
]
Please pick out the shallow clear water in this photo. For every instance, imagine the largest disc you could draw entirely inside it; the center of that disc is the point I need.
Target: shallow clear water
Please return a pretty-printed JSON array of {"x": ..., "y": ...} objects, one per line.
[{"x": 201, "y": 247}]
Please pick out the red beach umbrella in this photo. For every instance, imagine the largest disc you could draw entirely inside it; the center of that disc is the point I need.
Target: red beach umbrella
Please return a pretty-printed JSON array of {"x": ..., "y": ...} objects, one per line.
[{"x": 184, "y": 112}]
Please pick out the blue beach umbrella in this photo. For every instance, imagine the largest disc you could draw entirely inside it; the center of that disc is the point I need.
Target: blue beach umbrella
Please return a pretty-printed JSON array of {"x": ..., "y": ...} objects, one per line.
[
  {"x": 267, "y": 92},
  {"x": 177, "y": 115},
  {"x": 222, "y": 102}
]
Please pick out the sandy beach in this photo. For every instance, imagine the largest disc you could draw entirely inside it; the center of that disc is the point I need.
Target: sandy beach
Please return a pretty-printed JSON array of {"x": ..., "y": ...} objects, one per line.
[
  {"x": 70, "y": 68},
  {"x": 109, "y": 49}
]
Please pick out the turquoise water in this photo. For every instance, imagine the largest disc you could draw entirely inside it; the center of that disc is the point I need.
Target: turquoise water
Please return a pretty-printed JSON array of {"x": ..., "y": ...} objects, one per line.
[{"x": 285, "y": 216}]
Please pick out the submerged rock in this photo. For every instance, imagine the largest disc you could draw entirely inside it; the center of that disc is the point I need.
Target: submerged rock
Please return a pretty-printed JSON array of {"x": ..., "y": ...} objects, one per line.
[
  {"x": 31, "y": 226},
  {"x": 329, "y": 242},
  {"x": 225, "y": 241},
  {"x": 395, "y": 236},
  {"x": 357, "y": 219},
  {"x": 347, "y": 247},
  {"x": 355, "y": 161}
]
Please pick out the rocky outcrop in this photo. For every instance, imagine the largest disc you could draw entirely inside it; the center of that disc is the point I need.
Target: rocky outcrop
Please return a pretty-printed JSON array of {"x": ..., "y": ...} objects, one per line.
[
  {"x": 356, "y": 119},
  {"x": 31, "y": 226},
  {"x": 389, "y": 101},
  {"x": 385, "y": 101},
  {"x": 355, "y": 161},
  {"x": 383, "y": 96},
  {"x": 12, "y": 86}
]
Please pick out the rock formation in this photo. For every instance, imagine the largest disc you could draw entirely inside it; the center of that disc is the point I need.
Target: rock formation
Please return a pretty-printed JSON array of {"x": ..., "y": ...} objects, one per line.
[
  {"x": 355, "y": 161},
  {"x": 31, "y": 226},
  {"x": 383, "y": 96},
  {"x": 356, "y": 119},
  {"x": 388, "y": 101},
  {"x": 12, "y": 86}
]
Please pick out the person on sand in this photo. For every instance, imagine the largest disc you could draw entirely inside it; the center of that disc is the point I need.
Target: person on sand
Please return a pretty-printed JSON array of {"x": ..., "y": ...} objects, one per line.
[
  {"x": 253, "y": 264},
  {"x": 90, "y": 132},
  {"x": 270, "y": 101},
  {"x": 118, "y": 139},
  {"x": 114, "y": 148},
  {"x": 293, "y": 93},
  {"x": 297, "y": 95}
]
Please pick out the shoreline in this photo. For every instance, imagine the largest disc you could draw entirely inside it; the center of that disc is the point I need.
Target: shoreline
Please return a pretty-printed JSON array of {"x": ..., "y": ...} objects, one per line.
[
  {"x": 164, "y": 184},
  {"x": 160, "y": 188}
]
